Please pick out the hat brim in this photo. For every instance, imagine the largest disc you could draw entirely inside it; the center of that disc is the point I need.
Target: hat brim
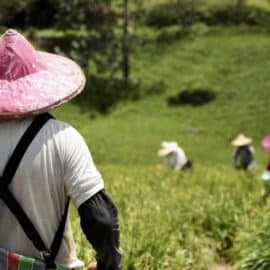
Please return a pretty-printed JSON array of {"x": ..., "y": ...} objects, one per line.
[
  {"x": 241, "y": 142},
  {"x": 41, "y": 91}
]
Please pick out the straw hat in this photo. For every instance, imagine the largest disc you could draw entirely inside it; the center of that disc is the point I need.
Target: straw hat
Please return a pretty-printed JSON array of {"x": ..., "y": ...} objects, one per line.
[
  {"x": 241, "y": 140},
  {"x": 33, "y": 82},
  {"x": 167, "y": 148}
]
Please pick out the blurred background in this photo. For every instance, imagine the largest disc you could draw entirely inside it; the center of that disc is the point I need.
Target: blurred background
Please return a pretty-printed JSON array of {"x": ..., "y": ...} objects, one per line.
[
  {"x": 176, "y": 53},
  {"x": 191, "y": 71}
]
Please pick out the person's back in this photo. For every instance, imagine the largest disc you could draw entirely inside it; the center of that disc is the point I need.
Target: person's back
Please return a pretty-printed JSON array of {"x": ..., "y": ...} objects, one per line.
[
  {"x": 42, "y": 183},
  {"x": 56, "y": 166},
  {"x": 243, "y": 157},
  {"x": 244, "y": 154},
  {"x": 176, "y": 159},
  {"x": 174, "y": 156}
]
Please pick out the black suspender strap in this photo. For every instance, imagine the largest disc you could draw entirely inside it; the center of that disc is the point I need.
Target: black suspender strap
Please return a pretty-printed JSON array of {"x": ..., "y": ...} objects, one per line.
[
  {"x": 48, "y": 255},
  {"x": 23, "y": 144},
  {"x": 59, "y": 233}
]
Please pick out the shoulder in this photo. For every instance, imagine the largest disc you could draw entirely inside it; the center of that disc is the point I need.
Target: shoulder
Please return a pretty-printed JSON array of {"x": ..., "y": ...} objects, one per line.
[
  {"x": 58, "y": 124},
  {"x": 65, "y": 137},
  {"x": 62, "y": 129}
]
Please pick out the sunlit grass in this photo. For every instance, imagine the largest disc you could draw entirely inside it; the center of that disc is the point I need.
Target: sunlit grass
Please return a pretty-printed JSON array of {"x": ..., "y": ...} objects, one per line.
[{"x": 175, "y": 220}]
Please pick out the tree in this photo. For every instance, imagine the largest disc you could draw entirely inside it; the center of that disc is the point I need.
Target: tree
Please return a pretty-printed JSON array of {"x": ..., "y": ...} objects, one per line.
[
  {"x": 125, "y": 45},
  {"x": 92, "y": 32}
]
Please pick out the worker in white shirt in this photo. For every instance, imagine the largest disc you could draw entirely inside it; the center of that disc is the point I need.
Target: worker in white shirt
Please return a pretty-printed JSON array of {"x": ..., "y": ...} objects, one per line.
[{"x": 174, "y": 156}]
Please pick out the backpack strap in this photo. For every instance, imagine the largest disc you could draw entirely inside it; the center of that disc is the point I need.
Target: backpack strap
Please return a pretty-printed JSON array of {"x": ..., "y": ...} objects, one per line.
[{"x": 48, "y": 255}]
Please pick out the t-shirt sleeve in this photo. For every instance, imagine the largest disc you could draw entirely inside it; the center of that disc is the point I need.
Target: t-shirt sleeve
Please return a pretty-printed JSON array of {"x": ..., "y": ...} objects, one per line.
[{"x": 82, "y": 179}]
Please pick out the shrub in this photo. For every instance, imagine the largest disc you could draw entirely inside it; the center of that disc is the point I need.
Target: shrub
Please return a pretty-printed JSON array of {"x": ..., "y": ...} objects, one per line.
[
  {"x": 176, "y": 12},
  {"x": 62, "y": 14},
  {"x": 229, "y": 15},
  {"x": 186, "y": 13},
  {"x": 103, "y": 93}
]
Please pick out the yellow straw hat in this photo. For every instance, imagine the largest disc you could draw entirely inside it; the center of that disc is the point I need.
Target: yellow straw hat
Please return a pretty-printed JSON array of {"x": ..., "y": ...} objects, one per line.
[{"x": 241, "y": 140}]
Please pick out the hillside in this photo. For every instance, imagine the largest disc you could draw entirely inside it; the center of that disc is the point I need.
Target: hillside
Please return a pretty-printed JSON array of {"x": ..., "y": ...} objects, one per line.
[
  {"x": 213, "y": 215},
  {"x": 234, "y": 63}
]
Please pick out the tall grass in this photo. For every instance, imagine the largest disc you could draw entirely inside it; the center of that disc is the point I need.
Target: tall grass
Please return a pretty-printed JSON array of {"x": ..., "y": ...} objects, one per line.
[{"x": 173, "y": 220}]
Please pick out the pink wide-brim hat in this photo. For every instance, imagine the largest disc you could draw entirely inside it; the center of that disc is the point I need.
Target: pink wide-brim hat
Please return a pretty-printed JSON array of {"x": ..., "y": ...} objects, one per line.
[
  {"x": 33, "y": 82},
  {"x": 266, "y": 142}
]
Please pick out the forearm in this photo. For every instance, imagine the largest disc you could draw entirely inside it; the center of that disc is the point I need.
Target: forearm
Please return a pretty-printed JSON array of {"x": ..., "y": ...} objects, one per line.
[{"x": 99, "y": 222}]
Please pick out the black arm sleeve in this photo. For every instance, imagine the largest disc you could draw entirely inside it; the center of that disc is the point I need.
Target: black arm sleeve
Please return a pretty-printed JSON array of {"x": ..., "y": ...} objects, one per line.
[{"x": 99, "y": 222}]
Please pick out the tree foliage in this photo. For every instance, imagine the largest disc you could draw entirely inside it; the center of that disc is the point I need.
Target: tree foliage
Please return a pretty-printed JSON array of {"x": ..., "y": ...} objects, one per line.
[
  {"x": 55, "y": 13},
  {"x": 89, "y": 31}
]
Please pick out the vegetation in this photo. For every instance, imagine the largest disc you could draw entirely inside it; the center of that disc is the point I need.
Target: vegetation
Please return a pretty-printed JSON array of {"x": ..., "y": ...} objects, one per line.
[
  {"x": 176, "y": 220},
  {"x": 213, "y": 214},
  {"x": 189, "y": 220}
]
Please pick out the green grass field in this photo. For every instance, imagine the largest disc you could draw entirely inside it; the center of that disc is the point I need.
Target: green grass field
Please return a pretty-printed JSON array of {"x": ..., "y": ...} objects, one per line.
[{"x": 213, "y": 214}]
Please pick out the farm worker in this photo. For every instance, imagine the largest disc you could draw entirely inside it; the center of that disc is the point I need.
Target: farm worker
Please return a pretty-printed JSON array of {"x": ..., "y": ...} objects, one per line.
[
  {"x": 173, "y": 156},
  {"x": 244, "y": 154},
  {"x": 266, "y": 173},
  {"x": 43, "y": 163},
  {"x": 266, "y": 180}
]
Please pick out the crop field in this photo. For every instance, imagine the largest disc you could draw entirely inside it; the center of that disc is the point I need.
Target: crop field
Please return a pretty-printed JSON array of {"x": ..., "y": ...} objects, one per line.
[
  {"x": 193, "y": 220},
  {"x": 212, "y": 215}
]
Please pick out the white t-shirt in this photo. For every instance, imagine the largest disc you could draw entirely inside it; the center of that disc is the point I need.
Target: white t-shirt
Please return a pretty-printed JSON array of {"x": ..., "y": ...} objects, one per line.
[
  {"x": 57, "y": 163},
  {"x": 176, "y": 159}
]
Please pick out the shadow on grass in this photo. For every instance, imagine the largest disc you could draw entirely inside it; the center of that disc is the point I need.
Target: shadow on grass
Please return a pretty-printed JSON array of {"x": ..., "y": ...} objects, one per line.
[{"x": 194, "y": 97}]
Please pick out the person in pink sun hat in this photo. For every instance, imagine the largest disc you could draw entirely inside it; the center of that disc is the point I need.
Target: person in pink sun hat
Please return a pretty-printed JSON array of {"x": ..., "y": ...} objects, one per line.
[
  {"x": 45, "y": 163},
  {"x": 266, "y": 173}
]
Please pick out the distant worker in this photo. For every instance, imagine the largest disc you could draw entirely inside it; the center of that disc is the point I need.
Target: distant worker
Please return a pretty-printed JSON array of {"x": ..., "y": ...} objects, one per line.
[
  {"x": 244, "y": 154},
  {"x": 266, "y": 173},
  {"x": 266, "y": 180},
  {"x": 174, "y": 156}
]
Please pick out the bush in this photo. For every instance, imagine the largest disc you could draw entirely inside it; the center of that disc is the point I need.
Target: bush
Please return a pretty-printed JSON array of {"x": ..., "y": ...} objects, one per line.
[
  {"x": 103, "y": 93},
  {"x": 62, "y": 14},
  {"x": 177, "y": 12},
  {"x": 163, "y": 15},
  {"x": 229, "y": 15},
  {"x": 187, "y": 13}
]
